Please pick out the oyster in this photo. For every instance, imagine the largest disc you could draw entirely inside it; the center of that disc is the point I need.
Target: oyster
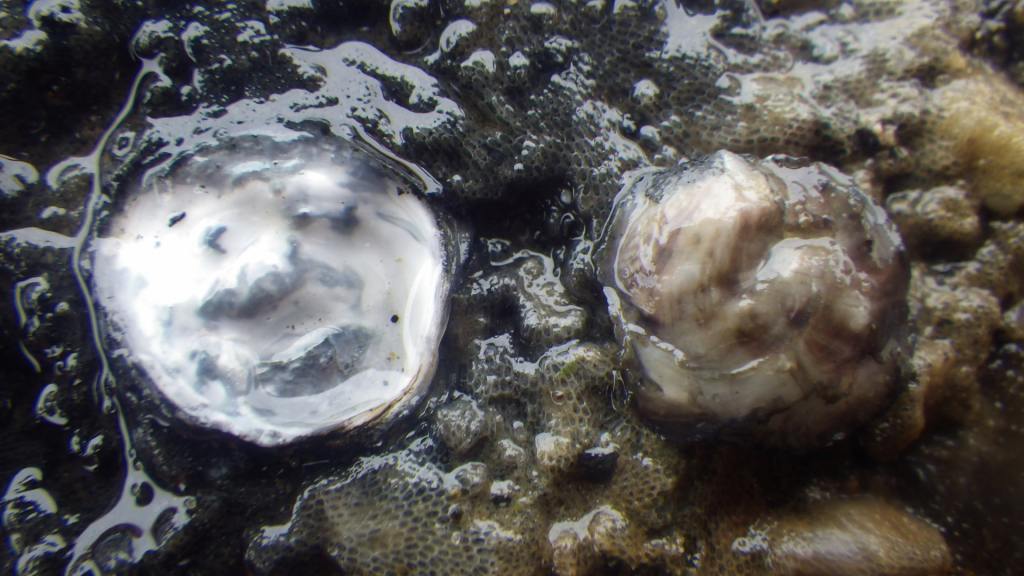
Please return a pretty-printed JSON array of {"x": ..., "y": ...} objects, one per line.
[
  {"x": 277, "y": 292},
  {"x": 760, "y": 296}
]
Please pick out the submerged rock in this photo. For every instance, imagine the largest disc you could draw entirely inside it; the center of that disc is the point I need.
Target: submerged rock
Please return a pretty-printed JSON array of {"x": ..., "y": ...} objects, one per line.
[
  {"x": 765, "y": 297},
  {"x": 277, "y": 296},
  {"x": 854, "y": 537},
  {"x": 942, "y": 220}
]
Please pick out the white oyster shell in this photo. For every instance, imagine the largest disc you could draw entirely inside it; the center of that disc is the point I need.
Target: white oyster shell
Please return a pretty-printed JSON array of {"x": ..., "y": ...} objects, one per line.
[
  {"x": 275, "y": 298},
  {"x": 763, "y": 296}
]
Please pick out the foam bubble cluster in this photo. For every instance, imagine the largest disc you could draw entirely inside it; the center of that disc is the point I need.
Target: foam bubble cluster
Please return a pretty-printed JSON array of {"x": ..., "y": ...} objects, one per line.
[{"x": 277, "y": 296}]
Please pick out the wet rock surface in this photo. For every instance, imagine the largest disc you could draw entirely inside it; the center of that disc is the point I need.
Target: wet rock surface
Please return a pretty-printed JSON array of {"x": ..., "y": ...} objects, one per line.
[{"x": 520, "y": 119}]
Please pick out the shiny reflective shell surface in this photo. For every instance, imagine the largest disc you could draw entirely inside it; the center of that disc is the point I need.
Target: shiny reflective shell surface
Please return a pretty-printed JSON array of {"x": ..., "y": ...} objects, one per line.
[{"x": 275, "y": 298}]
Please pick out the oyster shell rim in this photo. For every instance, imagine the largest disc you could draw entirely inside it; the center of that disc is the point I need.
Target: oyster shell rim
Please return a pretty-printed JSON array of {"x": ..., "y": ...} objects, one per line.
[{"x": 408, "y": 178}]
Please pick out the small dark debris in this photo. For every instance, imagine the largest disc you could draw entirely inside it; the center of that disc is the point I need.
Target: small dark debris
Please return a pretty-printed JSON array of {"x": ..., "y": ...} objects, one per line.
[
  {"x": 212, "y": 238},
  {"x": 597, "y": 464}
]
